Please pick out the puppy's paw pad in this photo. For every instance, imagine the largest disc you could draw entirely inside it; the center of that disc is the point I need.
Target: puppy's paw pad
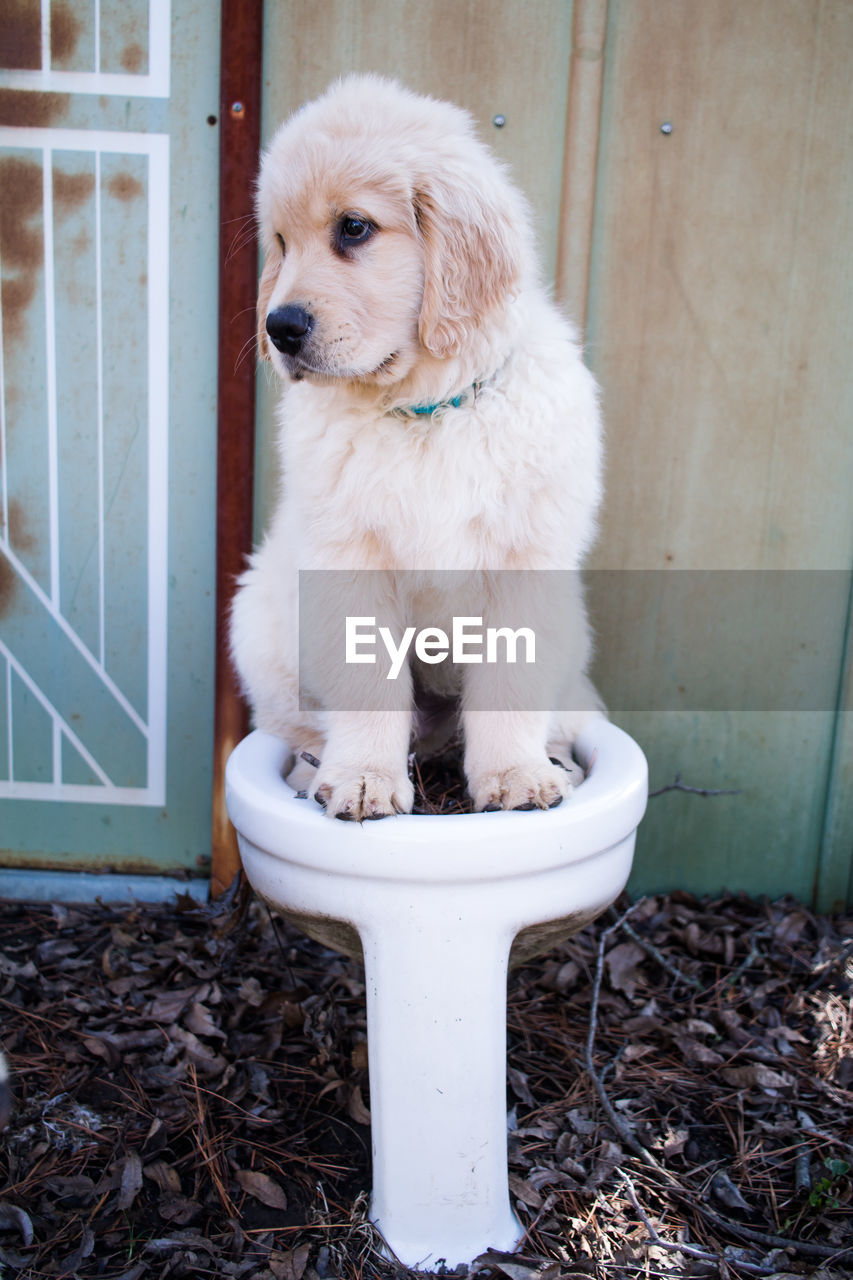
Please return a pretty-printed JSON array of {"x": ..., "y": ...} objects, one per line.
[
  {"x": 365, "y": 797},
  {"x": 522, "y": 787}
]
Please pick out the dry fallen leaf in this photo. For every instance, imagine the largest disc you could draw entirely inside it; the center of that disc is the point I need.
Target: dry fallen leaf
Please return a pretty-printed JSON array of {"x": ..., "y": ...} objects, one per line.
[
  {"x": 167, "y": 1006},
  {"x": 757, "y": 1075},
  {"x": 622, "y": 962},
  {"x": 290, "y": 1265},
  {"x": 199, "y": 1020},
  {"x": 178, "y": 1209},
  {"x": 12, "y": 1216},
  {"x": 694, "y": 1051},
  {"x": 261, "y": 1187},
  {"x": 609, "y": 1156},
  {"x": 356, "y": 1107},
  {"x": 163, "y": 1176},
  {"x": 524, "y": 1191},
  {"x": 131, "y": 1181},
  {"x": 520, "y": 1087},
  {"x": 515, "y": 1267}
]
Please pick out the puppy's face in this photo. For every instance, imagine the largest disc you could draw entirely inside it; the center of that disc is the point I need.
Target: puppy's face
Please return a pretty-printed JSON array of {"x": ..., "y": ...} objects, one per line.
[
  {"x": 390, "y": 233},
  {"x": 343, "y": 283}
]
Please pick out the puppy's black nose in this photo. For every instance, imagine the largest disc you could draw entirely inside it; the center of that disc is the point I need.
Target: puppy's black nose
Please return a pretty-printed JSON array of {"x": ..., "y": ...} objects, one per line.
[{"x": 288, "y": 328}]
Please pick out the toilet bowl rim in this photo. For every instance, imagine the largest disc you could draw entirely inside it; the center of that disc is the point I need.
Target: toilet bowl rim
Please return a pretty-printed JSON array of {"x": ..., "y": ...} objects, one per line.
[{"x": 603, "y": 811}]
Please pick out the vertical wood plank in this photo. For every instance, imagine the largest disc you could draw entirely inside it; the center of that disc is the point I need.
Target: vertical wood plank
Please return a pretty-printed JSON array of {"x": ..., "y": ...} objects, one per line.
[
  {"x": 240, "y": 133},
  {"x": 834, "y": 880},
  {"x": 721, "y": 310},
  {"x": 720, "y": 324},
  {"x": 577, "y": 205}
]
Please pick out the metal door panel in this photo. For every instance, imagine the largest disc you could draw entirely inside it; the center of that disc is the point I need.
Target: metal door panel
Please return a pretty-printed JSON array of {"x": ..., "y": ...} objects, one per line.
[{"x": 108, "y": 237}]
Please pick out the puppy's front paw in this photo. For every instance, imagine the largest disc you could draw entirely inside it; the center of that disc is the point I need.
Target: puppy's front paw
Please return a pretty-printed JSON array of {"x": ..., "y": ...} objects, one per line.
[
  {"x": 362, "y": 797},
  {"x": 526, "y": 786}
]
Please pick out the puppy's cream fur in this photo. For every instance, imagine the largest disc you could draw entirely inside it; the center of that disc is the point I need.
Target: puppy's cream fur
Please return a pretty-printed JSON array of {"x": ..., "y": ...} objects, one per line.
[{"x": 441, "y": 299}]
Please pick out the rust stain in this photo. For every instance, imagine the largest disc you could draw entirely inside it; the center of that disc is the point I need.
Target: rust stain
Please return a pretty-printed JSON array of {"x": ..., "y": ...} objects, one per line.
[
  {"x": 21, "y": 540},
  {"x": 64, "y": 32},
  {"x": 8, "y": 582},
  {"x": 35, "y": 109},
  {"x": 132, "y": 58},
  {"x": 71, "y": 189},
  {"x": 124, "y": 187},
  {"x": 20, "y": 35},
  {"x": 16, "y": 295},
  {"x": 21, "y": 250},
  {"x": 19, "y": 535},
  {"x": 21, "y": 230}
]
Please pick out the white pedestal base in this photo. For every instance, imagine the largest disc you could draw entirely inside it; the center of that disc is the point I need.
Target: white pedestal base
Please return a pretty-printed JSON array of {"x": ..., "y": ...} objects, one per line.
[{"x": 436, "y": 903}]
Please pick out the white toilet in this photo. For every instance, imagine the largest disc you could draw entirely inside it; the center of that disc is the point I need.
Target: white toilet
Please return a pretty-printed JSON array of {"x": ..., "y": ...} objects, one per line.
[{"x": 435, "y": 904}]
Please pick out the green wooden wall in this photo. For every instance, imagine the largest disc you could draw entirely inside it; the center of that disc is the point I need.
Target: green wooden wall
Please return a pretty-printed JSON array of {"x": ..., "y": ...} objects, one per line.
[{"x": 710, "y": 265}]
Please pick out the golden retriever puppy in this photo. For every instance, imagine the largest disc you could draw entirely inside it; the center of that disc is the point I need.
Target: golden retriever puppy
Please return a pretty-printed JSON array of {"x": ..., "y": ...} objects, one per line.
[{"x": 436, "y": 416}]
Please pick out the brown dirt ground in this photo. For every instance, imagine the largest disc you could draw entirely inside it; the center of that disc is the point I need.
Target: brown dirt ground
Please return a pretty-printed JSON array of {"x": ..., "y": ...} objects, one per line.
[{"x": 191, "y": 1096}]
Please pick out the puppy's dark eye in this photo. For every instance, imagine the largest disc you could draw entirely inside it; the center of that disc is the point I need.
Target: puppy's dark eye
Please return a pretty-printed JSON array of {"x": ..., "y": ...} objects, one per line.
[
  {"x": 280, "y": 239},
  {"x": 353, "y": 229}
]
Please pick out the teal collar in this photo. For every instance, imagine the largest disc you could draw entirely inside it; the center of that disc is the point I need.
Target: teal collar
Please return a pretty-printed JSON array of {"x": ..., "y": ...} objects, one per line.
[
  {"x": 422, "y": 410},
  {"x": 427, "y": 410}
]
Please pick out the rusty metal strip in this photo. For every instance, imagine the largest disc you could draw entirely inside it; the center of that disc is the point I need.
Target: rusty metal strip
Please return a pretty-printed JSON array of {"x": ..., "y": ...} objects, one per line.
[{"x": 240, "y": 136}]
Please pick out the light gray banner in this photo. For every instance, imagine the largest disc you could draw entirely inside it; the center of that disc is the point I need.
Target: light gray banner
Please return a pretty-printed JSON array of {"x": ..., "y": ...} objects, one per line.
[{"x": 686, "y": 640}]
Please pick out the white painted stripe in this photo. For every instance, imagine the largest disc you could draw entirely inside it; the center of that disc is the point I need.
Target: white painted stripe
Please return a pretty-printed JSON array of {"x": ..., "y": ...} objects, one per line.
[
  {"x": 110, "y": 140},
  {"x": 108, "y": 84},
  {"x": 50, "y": 377},
  {"x": 158, "y": 457},
  {"x": 57, "y": 751},
  {"x": 159, "y": 46},
  {"x": 99, "y": 325},
  {"x": 97, "y": 36},
  {"x": 45, "y": 35},
  {"x": 9, "y": 751},
  {"x": 81, "y": 793}
]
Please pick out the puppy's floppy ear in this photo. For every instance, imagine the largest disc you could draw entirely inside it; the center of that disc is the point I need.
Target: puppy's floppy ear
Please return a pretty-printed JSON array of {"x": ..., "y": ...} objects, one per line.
[
  {"x": 473, "y": 250},
  {"x": 265, "y": 288}
]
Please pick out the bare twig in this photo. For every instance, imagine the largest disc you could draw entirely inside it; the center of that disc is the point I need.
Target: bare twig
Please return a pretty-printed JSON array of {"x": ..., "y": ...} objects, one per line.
[
  {"x": 748, "y": 961},
  {"x": 770, "y": 1241},
  {"x": 678, "y": 785},
  {"x": 677, "y": 1246},
  {"x": 659, "y": 958},
  {"x": 624, "y": 1130}
]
